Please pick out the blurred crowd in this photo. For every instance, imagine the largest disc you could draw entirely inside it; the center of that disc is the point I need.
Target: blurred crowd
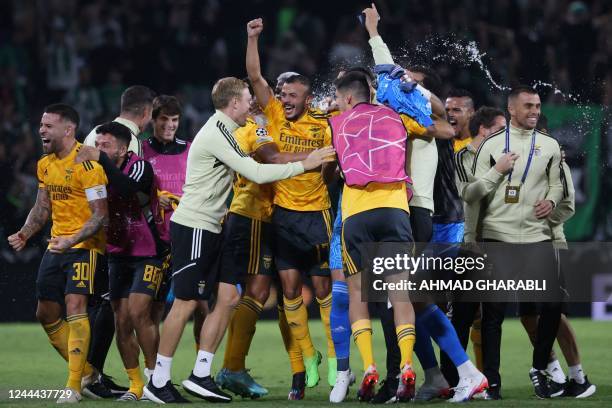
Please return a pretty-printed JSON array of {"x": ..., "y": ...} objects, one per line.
[{"x": 86, "y": 52}]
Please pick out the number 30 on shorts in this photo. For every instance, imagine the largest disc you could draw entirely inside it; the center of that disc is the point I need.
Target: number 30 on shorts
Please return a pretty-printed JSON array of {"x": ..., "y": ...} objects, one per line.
[{"x": 81, "y": 271}]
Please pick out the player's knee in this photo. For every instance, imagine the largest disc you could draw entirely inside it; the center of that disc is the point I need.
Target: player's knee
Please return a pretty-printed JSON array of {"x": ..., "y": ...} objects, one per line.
[
  {"x": 122, "y": 325},
  {"x": 292, "y": 293},
  {"x": 260, "y": 295},
  {"x": 44, "y": 316},
  {"x": 76, "y": 304},
  {"x": 139, "y": 314},
  {"x": 321, "y": 292},
  {"x": 231, "y": 298}
]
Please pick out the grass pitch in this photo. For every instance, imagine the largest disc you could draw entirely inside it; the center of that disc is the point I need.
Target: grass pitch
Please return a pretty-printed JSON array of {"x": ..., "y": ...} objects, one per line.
[{"x": 27, "y": 361}]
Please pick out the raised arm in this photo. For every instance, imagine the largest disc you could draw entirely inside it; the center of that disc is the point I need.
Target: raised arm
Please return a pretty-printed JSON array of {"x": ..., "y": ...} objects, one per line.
[
  {"x": 37, "y": 218},
  {"x": 253, "y": 66},
  {"x": 380, "y": 51}
]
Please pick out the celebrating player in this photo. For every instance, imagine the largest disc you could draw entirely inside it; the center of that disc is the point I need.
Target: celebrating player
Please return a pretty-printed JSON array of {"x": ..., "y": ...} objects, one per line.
[
  {"x": 74, "y": 196},
  {"x": 301, "y": 219}
]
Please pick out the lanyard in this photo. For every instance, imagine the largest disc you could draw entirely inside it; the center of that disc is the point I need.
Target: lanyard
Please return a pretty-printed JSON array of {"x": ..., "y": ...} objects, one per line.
[{"x": 531, "y": 151}]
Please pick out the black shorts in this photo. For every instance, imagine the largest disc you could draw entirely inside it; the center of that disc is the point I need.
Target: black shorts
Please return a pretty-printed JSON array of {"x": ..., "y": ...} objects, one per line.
[
  {"x": 302, "y": 240},
  {"x": 247, "y": 248},
  {"x": 377, "y": 225},
  {"x": 421, "y": 224},
  {"x": 71, "y": 272},
  {"x": 134, "y": 274},
  {"x": 195, "y": 254}
]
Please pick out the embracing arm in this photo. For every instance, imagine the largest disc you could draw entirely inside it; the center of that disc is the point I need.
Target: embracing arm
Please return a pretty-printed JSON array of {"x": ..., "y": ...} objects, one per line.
[{"x": 270, "y": 154}]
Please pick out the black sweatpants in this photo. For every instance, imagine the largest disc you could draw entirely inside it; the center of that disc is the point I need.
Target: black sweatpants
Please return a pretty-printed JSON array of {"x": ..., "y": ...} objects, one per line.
[{"x": 493, "y": 316}]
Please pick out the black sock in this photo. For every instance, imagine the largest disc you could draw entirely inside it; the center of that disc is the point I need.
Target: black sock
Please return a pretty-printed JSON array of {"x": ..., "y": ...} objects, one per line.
[
  {"x": 102, "y": 332},
  {"x": 393, "y": 352}
]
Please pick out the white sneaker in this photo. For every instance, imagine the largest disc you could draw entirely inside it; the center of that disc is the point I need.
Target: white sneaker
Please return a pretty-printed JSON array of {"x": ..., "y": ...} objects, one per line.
[
  {"x": 344, "y": 379},
  {"x": 69, "y": 396},
  {"x": 468, "y": 386},
  {"x": 90, "y": 379},
  {"x": 438, "y": 388}
]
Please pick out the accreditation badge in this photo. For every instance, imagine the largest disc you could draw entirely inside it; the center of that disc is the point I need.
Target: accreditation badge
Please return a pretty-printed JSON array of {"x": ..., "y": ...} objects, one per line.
[{"x": 512, "y": 194}]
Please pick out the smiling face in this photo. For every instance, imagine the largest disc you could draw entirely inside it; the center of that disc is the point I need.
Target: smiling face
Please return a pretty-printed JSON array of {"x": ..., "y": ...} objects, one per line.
[
  {"x": 165, "y": 127},
  {"x": 525, "y": 110},
  {"x": 53, "y": 130},
  {"x": 295, "y": 97},
  {"x": 459, "y": 110}
]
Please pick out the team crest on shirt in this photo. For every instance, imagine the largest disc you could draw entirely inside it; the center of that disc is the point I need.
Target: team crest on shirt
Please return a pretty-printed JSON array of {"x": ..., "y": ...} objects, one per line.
[
  {"x": 267, "y": 261},
  {"x": 68, "y": 176},
  {"x": 537, "y": 151},
  {"x": 201, "y": 287}
]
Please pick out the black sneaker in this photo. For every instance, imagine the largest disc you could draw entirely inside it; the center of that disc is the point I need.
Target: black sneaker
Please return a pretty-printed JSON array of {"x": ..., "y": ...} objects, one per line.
[
  {"x": 539, "y": 379},
  {"x": 386, "y": 392},
  {"x": 557, "y": 389},
  {"x": 575, "y": 390},
  {"x": 115, "y": 388},
  {"x": 167, "y": 394},
  {"x": 205, "y": 388},
  {"x": 492, "y": 393},
  {"x": 298, "y": 385},
  {"x": 97, "y": 390}
]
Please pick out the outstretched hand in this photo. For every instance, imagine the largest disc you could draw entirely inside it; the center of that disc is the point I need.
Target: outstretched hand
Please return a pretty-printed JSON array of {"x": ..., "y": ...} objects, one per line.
[
  {"x": 87, "y": 153},
  {"x": 318, "y": 157}
]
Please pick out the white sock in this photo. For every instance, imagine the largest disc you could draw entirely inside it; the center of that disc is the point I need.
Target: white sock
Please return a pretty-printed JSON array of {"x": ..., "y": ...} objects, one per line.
[
  {"x": 161, "y": 374},
  {"x": 433, "y": 375},
  {"x": 467, "y": 369},
  {"x": 576, "y": 373},
  {"x": 556, "y": 372},
  {"x": 203, "y": 364}
]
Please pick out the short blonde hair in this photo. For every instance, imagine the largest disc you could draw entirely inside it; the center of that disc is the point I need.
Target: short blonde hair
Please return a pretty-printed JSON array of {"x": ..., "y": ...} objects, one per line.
[{"x": 225, "y": 90}]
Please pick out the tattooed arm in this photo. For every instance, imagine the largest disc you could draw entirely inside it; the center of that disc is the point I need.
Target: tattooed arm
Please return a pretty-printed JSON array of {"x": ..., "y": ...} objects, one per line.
[
  {"x": 37, "y": 218},
  {"x": 98, "y": 219}
]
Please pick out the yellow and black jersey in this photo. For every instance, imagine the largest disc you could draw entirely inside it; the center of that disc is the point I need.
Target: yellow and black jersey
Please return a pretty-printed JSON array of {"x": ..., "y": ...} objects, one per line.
[
  {"x": 305, "y": 192},
  {"x": 69, "y": 184},
  {"x": 459, "y": 144},
  {"x": 251, "y": 199}
]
